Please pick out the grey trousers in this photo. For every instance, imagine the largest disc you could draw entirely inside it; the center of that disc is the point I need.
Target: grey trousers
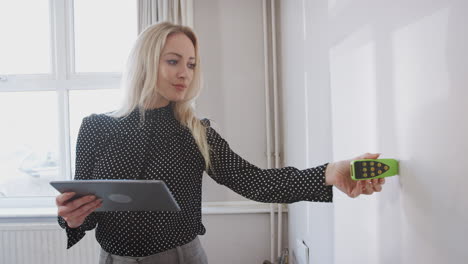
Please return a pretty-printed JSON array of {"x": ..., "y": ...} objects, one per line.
[{"x": 190, "y": 253}]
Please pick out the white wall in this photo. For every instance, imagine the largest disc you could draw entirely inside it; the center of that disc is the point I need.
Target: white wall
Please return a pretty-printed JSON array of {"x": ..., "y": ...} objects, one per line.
[
  {"x": 239, "y": 238},
  {"x": 303, "y": 53},
  {"x": 398, "y": 81},
  {"x": 231, "y": 42},
  {"x": 233, "y": 69}
]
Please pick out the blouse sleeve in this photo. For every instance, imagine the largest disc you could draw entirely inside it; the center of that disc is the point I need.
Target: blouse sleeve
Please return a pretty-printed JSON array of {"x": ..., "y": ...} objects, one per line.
[
  {"x": 283, "y": 185},
  {"x": 85, "y": 160}
]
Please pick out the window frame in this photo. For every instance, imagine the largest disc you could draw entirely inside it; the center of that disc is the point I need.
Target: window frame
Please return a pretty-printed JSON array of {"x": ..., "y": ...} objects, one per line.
[{"x": 62, "y": 79}]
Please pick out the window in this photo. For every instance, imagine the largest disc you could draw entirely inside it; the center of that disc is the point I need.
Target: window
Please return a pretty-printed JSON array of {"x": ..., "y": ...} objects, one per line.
[
  {"x": 60, "y": 61},
  {"x": 102, "y": 30},
  {"x": 25, "y": 44},
  {"x": 28, "y": 156}
]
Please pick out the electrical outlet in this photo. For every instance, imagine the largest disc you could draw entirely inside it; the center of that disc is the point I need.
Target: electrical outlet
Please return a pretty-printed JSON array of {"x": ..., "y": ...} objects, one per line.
[{"x": 302, "y": 252}]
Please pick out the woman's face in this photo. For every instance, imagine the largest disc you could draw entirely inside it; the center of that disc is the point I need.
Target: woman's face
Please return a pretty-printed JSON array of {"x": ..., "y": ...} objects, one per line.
[{"x": 176, "y": 68}]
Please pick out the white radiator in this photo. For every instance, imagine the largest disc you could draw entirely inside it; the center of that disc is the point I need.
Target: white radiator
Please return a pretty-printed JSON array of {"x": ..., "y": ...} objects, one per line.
[{"x": 40, "y": 243}]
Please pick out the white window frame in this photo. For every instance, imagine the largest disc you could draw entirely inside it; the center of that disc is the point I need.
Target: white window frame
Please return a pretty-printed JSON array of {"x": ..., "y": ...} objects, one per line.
[{"x": 62, "y": 79}]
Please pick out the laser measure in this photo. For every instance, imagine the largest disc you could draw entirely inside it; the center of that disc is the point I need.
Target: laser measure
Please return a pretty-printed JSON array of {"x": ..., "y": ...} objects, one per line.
[{"x": 367, "y": 169}]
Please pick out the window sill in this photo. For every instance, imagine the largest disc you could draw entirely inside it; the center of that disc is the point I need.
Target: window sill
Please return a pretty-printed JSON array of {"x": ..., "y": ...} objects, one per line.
[
  {"x": 209, "y": 208},
  {"x": 28, "y": 212}
]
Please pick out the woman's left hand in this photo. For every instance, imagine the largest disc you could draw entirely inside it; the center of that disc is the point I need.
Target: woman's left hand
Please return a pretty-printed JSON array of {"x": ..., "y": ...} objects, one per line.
[{"x": 339, "y": 175}]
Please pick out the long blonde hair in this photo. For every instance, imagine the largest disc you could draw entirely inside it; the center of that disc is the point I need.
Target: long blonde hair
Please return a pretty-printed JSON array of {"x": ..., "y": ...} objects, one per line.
[{"x": 140, "y": 78}]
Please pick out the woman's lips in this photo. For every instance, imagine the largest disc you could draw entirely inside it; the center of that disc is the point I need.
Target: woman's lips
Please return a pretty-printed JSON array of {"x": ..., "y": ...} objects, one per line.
[{"x": 180, "y": 87}]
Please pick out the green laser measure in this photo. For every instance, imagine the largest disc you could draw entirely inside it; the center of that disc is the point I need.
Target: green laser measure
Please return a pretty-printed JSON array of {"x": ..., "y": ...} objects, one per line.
[{"x": 367, "y": 169}]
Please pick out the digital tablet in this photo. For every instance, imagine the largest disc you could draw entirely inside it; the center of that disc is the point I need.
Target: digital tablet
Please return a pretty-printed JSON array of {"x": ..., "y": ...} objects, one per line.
[{"x": 123, "y": 195}]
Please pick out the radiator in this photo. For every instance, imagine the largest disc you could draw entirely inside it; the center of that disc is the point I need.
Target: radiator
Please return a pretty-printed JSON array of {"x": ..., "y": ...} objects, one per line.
[{"x": 44, "y": 244}]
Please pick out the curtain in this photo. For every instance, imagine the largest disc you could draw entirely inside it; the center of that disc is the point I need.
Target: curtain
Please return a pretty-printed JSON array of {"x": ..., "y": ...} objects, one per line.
[{"x": 175, "y": 11}]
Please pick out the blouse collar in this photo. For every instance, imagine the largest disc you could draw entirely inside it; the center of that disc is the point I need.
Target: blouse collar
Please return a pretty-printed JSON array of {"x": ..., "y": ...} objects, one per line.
[{"x": 165, "y": 112}]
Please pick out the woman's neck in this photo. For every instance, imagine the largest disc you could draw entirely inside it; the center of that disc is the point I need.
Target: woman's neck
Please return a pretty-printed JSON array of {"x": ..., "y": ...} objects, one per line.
[{"x": 159, "y": 104}]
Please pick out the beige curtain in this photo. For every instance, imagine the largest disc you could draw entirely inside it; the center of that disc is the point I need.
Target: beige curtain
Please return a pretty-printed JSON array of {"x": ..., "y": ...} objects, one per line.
[{"x": 175, "y": 11}]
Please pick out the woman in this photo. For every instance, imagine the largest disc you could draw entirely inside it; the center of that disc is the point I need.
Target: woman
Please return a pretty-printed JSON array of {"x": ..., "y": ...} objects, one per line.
[{"x": 156, "y": 135}]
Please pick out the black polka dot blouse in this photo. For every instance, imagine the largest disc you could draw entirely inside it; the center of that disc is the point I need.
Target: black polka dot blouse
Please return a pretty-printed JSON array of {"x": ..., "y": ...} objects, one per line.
[{"x": 162, "y": 149}]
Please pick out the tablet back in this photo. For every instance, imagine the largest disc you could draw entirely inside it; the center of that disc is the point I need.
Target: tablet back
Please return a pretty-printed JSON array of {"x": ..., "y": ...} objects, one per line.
[{"x": 123, "y": 195}]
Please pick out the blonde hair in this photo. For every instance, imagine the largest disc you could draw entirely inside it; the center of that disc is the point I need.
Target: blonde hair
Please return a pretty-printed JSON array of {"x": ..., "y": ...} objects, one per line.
[{"x": 140, "y": 78}]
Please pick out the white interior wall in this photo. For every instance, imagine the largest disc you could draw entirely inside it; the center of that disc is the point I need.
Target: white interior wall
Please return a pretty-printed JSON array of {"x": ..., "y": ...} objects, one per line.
[
  {"x": 303, "y": 53},
  {"x": 233, "y": 69},
  {"x": 239, "y": 238},
  {"x": 231, "y": 47},
  {"x": 398, "y": 81}
]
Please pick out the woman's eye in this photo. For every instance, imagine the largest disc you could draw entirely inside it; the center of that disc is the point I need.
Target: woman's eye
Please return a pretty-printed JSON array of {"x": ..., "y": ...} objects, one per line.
[
  {"x": 192, "y": 65},
  {"x": 172, "y": 62}
]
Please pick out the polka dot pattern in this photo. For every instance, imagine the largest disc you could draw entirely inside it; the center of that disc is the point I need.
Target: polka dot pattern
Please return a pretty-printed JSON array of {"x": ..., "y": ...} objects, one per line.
[{"x": 163, "y": 149}]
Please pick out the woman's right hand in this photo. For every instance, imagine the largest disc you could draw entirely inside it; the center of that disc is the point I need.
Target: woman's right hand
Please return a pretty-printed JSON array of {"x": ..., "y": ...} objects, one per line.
[
  {"x": 338, "y": 174},
  {"x": 76, "y": 211}
]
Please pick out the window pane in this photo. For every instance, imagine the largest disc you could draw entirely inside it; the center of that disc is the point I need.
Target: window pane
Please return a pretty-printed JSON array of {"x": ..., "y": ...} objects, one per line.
[
  {"x": 84, "y": 103},
  {"x": 25, "y": 42},
  {"x": 29, "y": 143},
  {"x": 104, "y": 34}
]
